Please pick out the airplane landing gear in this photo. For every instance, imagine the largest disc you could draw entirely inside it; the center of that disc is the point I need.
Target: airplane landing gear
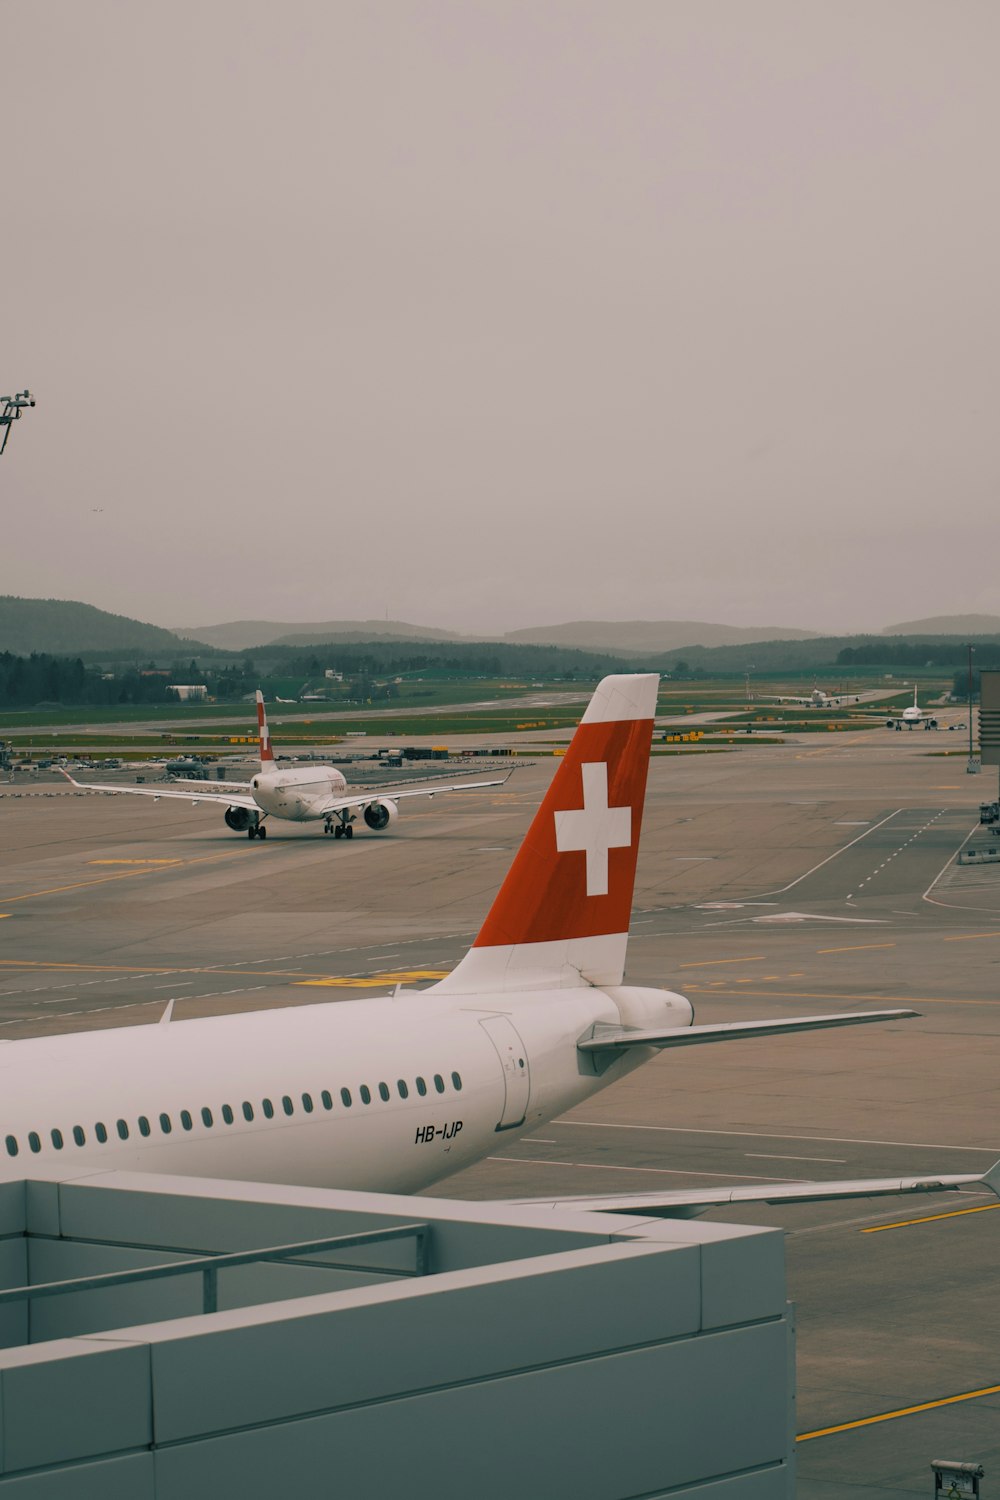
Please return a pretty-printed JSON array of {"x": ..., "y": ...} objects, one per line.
[
  {"x": 340, "y": 830},
  {"x": 256, "y": 831}
]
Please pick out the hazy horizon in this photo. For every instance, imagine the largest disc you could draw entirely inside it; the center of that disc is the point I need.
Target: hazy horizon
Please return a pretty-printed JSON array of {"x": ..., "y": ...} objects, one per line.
[{"x": 503, "y": 315}]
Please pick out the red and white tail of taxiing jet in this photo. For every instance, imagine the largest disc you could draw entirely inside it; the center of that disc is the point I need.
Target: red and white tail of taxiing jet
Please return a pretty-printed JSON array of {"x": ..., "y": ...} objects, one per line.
[
  {"x": 294, "y": 794},
  {"x": 394, "y": 1094},
  {"x": 267, "y": 761}
]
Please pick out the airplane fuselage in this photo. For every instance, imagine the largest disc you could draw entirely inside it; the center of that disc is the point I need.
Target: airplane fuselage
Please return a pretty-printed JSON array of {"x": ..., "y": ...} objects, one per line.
[
  {"x": 386, "y": 1095},
  {"x": 301, "y": 795}
]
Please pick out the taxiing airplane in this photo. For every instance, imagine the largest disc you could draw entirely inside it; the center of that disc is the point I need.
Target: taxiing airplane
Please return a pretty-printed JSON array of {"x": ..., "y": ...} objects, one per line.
[
  {"x": 394, "y": 1094},
  {"x": 911, "y": 716},
  {"x": 817, "y": 699},
  {"x": 297, "y": 795}
]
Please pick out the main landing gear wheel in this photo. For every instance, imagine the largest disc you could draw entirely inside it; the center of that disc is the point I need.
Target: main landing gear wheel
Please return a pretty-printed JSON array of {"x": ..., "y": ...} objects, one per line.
[
  {"x": 262, "y": 832},
  {"x": 251, "y": 832},
  {"x": 338, "y": 830},
  {"x": 348, "y": 831}
]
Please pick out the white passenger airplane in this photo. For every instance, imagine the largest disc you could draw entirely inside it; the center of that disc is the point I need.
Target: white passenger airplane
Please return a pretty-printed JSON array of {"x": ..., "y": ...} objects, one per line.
[
  {"x": 395, "y": 1094},
  {"x": 304, "y": 794},
  {"x": 817, "y": 699},
  {"x": 912, "y": 716}
]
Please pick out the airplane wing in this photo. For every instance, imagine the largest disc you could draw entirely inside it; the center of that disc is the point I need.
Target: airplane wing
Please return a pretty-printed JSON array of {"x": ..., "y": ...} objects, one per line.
[
  {"x": 238, "y": 799},
  {"x": 687, "y": 1203},
  {"x": 392, "y": 793},
  {"x": 187, "y": 781},
  {"x": 616, "y": 1038}
]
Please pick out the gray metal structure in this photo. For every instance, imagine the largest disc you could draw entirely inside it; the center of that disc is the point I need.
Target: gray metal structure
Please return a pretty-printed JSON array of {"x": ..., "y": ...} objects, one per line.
[
  {"x": 11, "y": 408},
  {"x": 382, "y": 1346},
  {"x": 989, "y": 717}
]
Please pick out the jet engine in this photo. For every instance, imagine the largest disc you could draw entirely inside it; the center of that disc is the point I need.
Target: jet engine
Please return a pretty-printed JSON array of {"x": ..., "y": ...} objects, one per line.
[
  {"x": 240, "y": 818},
  {"x": 378, "y": 815}
]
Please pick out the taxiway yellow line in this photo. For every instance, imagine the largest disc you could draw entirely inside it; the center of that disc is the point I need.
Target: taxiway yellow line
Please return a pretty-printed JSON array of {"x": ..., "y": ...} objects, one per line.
[
  {"x": 39, "y": 964},
  {"x": 971, "y": 937},
  {"x": 361, "y": 981},
  {"x": 707, "y": 963},
  {"x": 954, "y": 1213},
  {"x": 76, "y": 885},
  {"x": 372, "y": 981},
  {"x": 135, "y": 861},
  {"x": 856, "y": 948},
  {"x": 904, "y": 1411}
]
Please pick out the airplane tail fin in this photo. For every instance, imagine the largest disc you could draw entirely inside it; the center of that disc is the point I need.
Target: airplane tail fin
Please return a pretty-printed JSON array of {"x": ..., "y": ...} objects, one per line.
[
  {"x": 263, "y": 734},
  {"x": 562, "y": 914}
]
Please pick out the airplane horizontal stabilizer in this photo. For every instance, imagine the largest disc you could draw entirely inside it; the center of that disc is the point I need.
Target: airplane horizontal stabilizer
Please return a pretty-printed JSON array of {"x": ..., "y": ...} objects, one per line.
[{"x": 613, "y": 1038}]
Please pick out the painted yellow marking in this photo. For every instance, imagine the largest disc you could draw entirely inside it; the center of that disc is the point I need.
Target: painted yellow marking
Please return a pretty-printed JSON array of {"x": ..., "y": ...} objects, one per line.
[
  {"x": 372, "y": 981},
  {"x": 855, "y": 948},
  {"x": 904, "y": 1411},
  {"x": 706, "y": 963},
  {"x": 135, "y": 861},
  {"x": 76, "y": 885},
  {"x": 955, "y": 1213},
  {"x": 971, "y": 937},
  {"x": 38, "y": 964},
  {"x": 4, "y": 914}
]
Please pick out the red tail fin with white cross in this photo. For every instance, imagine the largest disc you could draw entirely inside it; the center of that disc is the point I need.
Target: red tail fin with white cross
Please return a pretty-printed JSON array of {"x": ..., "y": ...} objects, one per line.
[
  {"x": 562, "y": 914},
  {"x": 263, "y": 734}
]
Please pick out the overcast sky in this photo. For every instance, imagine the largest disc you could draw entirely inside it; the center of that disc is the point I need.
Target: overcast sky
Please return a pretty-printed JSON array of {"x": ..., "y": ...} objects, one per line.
[{"x": 499, "y": 314}]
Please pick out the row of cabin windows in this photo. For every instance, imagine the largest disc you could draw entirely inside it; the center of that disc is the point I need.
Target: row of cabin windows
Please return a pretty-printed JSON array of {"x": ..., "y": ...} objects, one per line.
[{"x": 267, "y": 1108}]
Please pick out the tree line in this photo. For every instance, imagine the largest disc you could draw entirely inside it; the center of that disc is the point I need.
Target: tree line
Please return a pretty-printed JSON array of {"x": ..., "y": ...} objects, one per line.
[{"x": 26, "y": 681}]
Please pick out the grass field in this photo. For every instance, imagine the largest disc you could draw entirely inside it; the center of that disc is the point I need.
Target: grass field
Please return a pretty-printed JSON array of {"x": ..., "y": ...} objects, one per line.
[{"x": 470, "y": 707}]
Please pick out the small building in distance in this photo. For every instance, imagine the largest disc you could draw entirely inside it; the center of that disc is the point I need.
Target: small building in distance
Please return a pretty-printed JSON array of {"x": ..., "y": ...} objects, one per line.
[{"x": 189, "y": 692}]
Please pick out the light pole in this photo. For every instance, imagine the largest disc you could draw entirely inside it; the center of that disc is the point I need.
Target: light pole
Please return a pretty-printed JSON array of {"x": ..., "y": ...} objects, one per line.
[{"x": 12, "y": 406}]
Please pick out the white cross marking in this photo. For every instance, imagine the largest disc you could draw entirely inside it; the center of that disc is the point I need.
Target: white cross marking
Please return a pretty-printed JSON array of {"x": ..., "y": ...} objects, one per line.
[{"x": 594, "y": 828}]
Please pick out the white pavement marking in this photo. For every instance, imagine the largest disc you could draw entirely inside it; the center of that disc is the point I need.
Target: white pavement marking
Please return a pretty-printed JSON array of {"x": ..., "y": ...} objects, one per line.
[
  {"x": 841, "y": 1161},
  {"x": 766, "y": 1135},
  {"x": 592, "y": 1166},
  {"x": 849, "y": 845}
]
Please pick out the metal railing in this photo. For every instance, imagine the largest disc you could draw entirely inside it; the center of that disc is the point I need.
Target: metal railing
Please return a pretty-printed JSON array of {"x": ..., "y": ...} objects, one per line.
[{"x": 209, "y": 1266}]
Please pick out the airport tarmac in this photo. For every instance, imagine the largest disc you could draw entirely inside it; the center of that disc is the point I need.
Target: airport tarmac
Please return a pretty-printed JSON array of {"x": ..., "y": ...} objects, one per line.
[{"x": 789, "y": 880}]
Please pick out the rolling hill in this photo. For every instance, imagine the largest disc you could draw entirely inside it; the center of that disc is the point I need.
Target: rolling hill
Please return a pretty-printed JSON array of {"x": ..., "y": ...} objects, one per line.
[
  {"x": 629, "y": 636},
  {"x": 65, "y": 626},
  {"x": 964, "y": 625},
  {"x": 243, "y": 635}
]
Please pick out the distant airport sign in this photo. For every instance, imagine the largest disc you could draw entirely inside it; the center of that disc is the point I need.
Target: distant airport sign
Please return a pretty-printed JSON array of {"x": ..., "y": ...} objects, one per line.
[{"x": 989, "y": 718}]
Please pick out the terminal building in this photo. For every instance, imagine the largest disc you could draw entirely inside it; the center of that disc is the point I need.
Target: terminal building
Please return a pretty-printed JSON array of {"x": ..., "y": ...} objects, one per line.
[{"x": 170, "y": 1338}]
